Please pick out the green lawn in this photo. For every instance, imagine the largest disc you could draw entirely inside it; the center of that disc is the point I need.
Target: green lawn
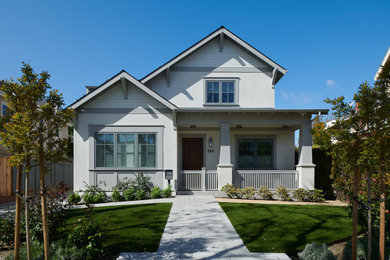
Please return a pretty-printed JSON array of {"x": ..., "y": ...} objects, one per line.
[
  {"x": 287, "y": 228},
  {"x": 131, "y": 228}
]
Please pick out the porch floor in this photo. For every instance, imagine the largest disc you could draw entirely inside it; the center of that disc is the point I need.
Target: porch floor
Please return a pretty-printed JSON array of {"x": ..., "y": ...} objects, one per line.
[{"x": 197, "y": 228}]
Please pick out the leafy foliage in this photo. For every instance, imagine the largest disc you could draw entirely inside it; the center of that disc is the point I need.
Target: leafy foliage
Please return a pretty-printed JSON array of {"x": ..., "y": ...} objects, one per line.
[
  {"x": 283, "y": 193},
  {"x": 230, "y": 190},
  {"x": 265, "y": 193},
  {"x": 116, "y": 195},
  {"x": 140, "y": 194},
  {"x": 315, "y": 196},
  {"x": 7, "y": 224},
  {"x": 129, "y": 194},
  {"x": 248, "y": 192},
  {"x": 314, "y": 251},
  {"x": 155, "y": 193},
  {"x": 300, "y": 194},
  {"x": 167, "y": 191},
  {"x": 94, "y": 194},
  {"x": 74, "y": 198},
  {"x": 361, "y": 253}
]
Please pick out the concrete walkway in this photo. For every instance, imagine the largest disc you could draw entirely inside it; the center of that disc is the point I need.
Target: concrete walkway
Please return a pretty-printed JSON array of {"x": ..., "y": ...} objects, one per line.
[{"x": 197, "y": 228}]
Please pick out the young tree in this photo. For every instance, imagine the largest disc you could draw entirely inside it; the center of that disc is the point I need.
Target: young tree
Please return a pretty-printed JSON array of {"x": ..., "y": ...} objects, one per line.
[
  {"x": 359, "y": 143},
  {"x": 37, "y": 126}
]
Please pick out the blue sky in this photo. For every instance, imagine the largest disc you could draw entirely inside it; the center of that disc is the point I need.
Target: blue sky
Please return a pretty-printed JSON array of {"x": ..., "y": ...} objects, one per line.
[{"x": 329, "y": 47}]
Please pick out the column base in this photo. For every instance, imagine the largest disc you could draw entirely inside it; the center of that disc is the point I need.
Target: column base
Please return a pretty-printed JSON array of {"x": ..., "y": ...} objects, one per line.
[
  {"x": 306, "y": 176},
  {"x": 225, "y": 175}
]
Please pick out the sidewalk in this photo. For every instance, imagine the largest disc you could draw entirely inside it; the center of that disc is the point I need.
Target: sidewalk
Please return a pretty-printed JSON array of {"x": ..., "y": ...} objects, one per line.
[{"x": 197, "y": 228}]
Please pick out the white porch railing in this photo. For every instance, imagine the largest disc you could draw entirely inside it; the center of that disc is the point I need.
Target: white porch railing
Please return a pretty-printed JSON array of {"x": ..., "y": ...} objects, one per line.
[
  {"x": 271, "y": 178},
  {"x": 190, "y": 180},
  {"x": 211, "y": 180},
  {"x": 198, "y": 180}
]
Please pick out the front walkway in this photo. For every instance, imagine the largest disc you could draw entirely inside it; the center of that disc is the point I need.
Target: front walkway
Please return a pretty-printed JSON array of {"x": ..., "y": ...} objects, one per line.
[{"x": 197, "y": 228}]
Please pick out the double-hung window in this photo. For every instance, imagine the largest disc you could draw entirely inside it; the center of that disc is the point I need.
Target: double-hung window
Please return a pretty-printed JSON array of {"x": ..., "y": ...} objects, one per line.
[
  {"x": 255, "y": 153},
  {"x": 221, "y": 92},
  {"x": 125, "y": 150}
]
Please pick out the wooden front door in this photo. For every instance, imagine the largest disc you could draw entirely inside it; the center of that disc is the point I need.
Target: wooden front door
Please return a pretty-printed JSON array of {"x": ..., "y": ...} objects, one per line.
[{"x": 192, "y": 154}]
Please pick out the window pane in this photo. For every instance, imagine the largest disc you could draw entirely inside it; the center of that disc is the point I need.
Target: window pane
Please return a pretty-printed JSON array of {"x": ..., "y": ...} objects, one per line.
[
  {"x": 224, "y": 97},
  {"x": 216, "y": 98},
  {"x": 209, "y": 86},
  {"x": 264, "y": 153},
  {"x": 100, "y": 138},
  {"x": 147, "y": 150},
  {"x": 108, "y": 138},
  {"x": 216, "y": 86},
  {"x": 231, "y": 87},
  {"x": 99, "y": 155},
  {"x": 125, "y": 150},
  {"x": 231, "y": 98},
  {"x": 209, "y": 97},
  {"x": 224, "y": 87},
  {"x": 246, "y": 154},
  {"x": 108, "y": 155}
]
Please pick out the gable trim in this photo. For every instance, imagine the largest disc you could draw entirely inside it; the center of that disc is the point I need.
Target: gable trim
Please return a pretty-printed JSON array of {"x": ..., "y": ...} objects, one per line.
[
  {"x": 121, "y": 76},
  {"x": 222, "y": 30}
]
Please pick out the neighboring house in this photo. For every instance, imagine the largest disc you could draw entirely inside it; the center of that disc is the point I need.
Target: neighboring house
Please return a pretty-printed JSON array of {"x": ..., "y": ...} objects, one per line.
[
  {"x": 208, "y": 115},
  {"x": 385, "y": 61}
]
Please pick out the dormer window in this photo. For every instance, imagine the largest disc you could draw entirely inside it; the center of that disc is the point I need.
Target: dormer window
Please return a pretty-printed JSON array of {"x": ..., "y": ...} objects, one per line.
[{"x": 220, "y": 92}]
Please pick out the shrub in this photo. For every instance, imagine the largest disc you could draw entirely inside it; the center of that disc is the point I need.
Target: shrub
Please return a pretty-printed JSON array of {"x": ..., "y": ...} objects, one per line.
[
  {"x": 248, "y": 192},
  {"x": 283, "y": 194},
  {"x": 167, "y": 192},
  {"x": 361, "y": 250},
  {"x": 62, "y": 250},
  {"x": 37, "y": 251},
  {"x": 86, "y": 235},
  {"x": 231, "y": 191},
  {"x": 300, "y": 194},
  {"x": 94, "y": 194},
  {"x": 314, "y": 251},
  {"x": 155, "y": 193},
  {"x": 129, "y": 194},
  {"x": 7, "y": 225},
  {"x": 74, "y": 198},
  {"x": 140, "y": 194},
  {"x": 116, "y": 195},
  {"x": 316, "y": 196},
  {"x": 140, "y": 182},
  {"x": 265, "y": 193}
]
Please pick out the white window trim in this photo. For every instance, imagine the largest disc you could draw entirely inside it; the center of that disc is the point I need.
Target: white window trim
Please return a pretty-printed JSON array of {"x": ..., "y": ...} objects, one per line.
[{"x": 236, "y": 90}]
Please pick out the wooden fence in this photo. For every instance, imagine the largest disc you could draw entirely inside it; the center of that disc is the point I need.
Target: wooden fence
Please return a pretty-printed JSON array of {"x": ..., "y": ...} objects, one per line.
[{"x": 56, "y": 172}]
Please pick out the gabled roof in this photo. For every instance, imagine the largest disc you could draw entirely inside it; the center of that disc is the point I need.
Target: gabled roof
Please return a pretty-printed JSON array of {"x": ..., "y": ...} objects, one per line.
[
  {"x": 385, "y": 60},
  {"x": 110, "y": 82},
  {"x": 222, "y": 30}
]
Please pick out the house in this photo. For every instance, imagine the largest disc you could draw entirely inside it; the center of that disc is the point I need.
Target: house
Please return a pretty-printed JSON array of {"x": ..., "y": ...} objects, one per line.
[
  {"x": 205, "y": 118},
  {"x": 385, "y": 62}
]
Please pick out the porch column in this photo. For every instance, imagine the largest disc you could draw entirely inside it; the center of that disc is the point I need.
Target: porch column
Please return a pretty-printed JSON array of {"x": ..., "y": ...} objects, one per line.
[
  {"x": 305, "y": 165},
  {"x": 225, "y": 167}
]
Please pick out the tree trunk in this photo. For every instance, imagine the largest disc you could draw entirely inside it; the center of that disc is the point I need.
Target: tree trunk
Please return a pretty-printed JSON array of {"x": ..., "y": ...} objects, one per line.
[
  {"x": 369, "y": 235},
  {"x": 46, "y": 242},
  {"x": 18, "y": 211},
  {"x": 382, "y": 230},
  {"x": 355, "y": 211},
  {"x": 26, "y": 209}
]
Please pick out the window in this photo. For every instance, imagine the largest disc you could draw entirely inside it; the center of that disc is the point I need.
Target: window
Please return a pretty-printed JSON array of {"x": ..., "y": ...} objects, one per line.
[
  {"x": 5, "y": 108},
  {"x": 125, "y": 150},
  {"x": 255, "y": 153},
  {"x": 220, "y": 92}
]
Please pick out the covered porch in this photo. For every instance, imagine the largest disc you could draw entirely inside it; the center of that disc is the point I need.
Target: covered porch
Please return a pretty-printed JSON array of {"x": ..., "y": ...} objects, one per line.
[{"x": 250, "y": 148}]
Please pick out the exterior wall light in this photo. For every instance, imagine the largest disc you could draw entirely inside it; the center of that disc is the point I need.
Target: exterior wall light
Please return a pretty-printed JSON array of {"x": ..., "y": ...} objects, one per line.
[{"x": 210, "y": 142}]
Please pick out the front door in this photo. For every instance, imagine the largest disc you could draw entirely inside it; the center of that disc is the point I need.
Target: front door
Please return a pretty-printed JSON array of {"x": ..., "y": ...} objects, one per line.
[{"x": 192, "y": 154}]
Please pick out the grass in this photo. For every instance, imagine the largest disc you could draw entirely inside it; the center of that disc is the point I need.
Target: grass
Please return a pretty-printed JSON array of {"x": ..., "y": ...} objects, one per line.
[
  {"x": 287, "y": 228},
  {"x": 131, "y": 228}
]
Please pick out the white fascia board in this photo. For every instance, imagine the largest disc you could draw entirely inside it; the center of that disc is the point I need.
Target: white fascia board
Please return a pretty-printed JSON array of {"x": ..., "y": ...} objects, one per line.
[
  {"x": 384, "y": 61},
  {"x": 206, "y": 40},
  {"x": 132, "y": 80}
]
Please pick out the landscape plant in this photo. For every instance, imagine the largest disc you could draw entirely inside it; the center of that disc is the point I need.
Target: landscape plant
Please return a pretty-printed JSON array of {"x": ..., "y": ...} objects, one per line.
[
  {"x": 167, "y": 191},
  {"x": 248, "y": 192},
  {"x": 315, "y": 196},
  {"x": 140, "y": 194},
  {"x": 94, "y": 194},
  {"x": 264, "y": 193},
  {"x": 129, "y": 194},
  {"x": 300, "y": 194},
  {"x": 283, "y": 193},
  {"x": 74, "y": 198},
  {"x": 155, "y": 193},
  {"x": 231, "y": 191},
  {"x": 314, "y": 251},
  {"x": 116, "y": 195}
]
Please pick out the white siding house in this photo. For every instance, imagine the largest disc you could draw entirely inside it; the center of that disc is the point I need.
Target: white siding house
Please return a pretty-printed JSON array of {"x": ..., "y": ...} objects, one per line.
[{"x": 208, "y": 115}]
